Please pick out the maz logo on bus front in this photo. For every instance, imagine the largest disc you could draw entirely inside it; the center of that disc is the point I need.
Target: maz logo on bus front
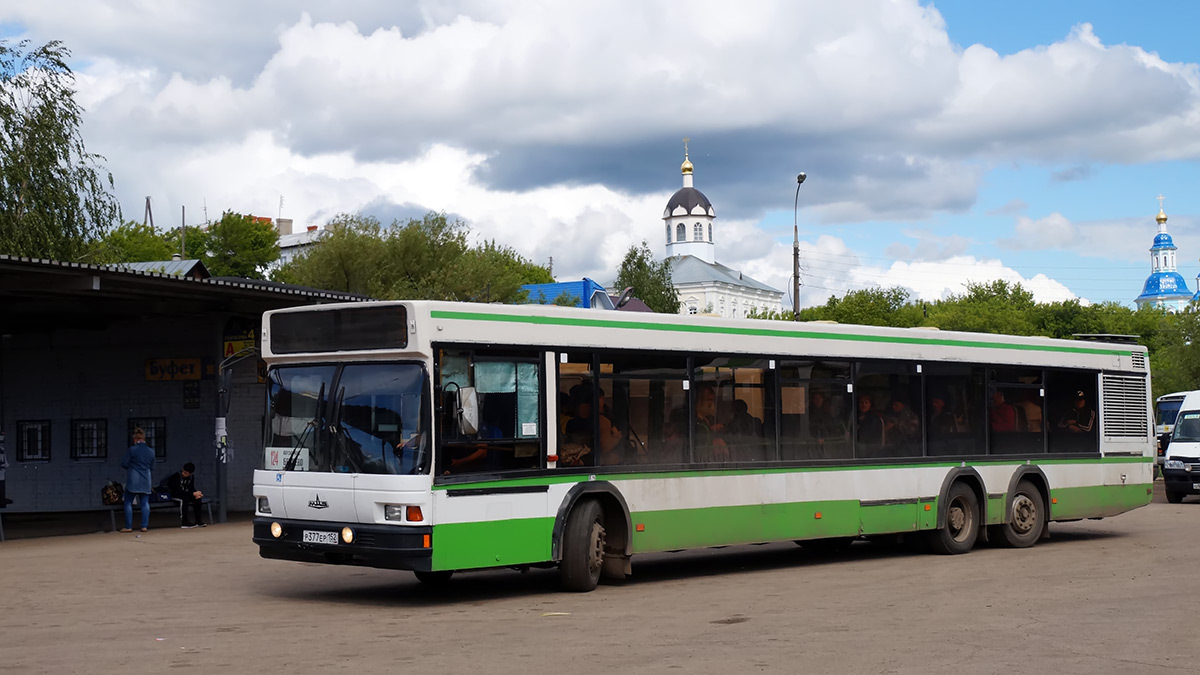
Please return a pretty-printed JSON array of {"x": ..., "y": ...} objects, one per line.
[{"x": 316, "y": 503}]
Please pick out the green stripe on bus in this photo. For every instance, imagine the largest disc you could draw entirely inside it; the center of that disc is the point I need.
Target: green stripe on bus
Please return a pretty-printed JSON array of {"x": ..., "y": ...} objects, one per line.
[
  {"x": 502, "y": 543},
  {"x": 764, "y": 332},
  {"x": 556, "y": 479},
  {"x": 1097, "y": 501},
  {"x": 494, "y": 543}
]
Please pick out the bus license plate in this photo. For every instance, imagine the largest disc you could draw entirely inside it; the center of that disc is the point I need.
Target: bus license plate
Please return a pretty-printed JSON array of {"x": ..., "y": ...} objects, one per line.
[{"x": 313, "y": 537}]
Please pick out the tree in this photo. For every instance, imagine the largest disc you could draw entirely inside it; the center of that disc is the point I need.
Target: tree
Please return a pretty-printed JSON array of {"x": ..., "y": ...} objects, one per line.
[
  {"x": 133, "y": 242},
  {"x": 869, "y": 307},
  {"x": 425, "y": 259},
  {"x": 55, "y": 199},
  {"x": 649, "y": 278},
  {"x": 238, "y": 246}
]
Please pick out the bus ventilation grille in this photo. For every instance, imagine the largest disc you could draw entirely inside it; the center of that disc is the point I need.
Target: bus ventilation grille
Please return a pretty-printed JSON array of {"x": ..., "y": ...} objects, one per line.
[
  {"x": 1125, "y": 407},
  {"x": 1139, "y": 360}
]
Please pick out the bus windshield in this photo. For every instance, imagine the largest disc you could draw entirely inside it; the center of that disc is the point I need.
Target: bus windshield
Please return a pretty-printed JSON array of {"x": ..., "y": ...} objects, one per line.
[
  {"x": 1166, "y": 411},
  {"x": 359, "y": 418},
  {"x": 1188, "y": 427}
]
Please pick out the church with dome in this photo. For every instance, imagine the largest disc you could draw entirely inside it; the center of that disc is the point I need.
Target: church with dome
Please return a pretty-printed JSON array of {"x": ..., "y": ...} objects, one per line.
[
  {"x": 1165, "y": 287},
  {"x": 704, "y": 285}
]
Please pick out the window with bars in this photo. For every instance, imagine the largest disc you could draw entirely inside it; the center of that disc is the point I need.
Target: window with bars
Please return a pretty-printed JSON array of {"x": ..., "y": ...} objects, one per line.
[
  {"x": 89, "y": 439},
  {"x": 33, "y": 441},
  {"x": 155, "y": 429}
]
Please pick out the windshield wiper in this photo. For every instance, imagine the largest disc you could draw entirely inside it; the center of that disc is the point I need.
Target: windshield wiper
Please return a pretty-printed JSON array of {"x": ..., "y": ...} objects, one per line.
[{"x": 308, "y": 427}]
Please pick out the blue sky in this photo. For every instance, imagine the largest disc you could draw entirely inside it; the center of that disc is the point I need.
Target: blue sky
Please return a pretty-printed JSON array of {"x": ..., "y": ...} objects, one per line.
[{"x": 945, "y": 142}]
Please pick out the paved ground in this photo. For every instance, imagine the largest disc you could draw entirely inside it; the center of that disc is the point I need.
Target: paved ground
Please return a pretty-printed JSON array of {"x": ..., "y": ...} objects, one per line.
[{"x": 1110, "y": 596}]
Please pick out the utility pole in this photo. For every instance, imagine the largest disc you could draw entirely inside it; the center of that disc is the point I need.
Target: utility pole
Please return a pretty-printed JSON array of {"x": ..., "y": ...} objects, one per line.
[
  {"x": 182, "y": 231},
  {"x": 148, "y": 216},
  {"x": 796, "y": 250}
]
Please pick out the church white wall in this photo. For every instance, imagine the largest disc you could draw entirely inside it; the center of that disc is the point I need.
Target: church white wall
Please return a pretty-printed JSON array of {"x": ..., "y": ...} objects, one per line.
[{"x": 725, "y": 300}]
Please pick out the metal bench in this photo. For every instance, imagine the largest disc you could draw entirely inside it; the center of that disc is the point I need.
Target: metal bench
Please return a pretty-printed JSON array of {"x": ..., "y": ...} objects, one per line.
[{"x": 176, "y": 504}]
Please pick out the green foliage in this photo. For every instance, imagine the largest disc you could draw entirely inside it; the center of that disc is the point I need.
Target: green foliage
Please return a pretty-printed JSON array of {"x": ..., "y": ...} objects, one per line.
[
  {"x": 868, "y": 307},
  {"x": 1001, "y": 307},
  {"x": 650, "y": 279},
  {"x": 238, "y": 246},
  {"x": 991, "y": 307},
  {"x": 426, "y": 259},
  {"x": 55, "y": 199},
  {"x": 133, "y": 242}
]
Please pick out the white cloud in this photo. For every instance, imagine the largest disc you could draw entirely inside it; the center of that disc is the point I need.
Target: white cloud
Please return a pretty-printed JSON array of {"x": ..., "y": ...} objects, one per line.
[
  {"x": 1053, "y": 231},
  {"x": 425, "y": 103}
]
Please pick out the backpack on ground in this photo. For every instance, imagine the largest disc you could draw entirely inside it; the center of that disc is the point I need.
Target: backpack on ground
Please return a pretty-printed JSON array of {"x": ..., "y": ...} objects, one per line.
[{"x": 112, "y": 493}]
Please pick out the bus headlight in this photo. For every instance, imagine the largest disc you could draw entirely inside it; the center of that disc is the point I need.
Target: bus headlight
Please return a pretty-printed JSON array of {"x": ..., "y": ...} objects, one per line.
[
  {"x": 264, "y": 505},
  {"x": 1173, "y": 464},
  {"x": 347, "y": 535},
  {"x": 393, "y": 512}
]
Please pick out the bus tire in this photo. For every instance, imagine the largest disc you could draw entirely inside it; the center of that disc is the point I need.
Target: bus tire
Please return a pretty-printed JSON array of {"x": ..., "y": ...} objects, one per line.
[
  {"x": 583, "y": 547},
  {"x": 1174, "y": 497},
  {"x": 1026, "y": 517},
  {"x": 961, "y": 529},
  {"x": 439, "y": 578}
]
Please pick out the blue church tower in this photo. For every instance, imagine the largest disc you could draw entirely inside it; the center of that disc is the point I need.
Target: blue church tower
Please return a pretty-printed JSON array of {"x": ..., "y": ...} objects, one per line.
[{"x": 1164, "y": 287}]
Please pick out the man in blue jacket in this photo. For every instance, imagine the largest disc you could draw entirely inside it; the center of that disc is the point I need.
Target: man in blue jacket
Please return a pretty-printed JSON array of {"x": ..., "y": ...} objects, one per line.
[{"x": 138, "y": 462}]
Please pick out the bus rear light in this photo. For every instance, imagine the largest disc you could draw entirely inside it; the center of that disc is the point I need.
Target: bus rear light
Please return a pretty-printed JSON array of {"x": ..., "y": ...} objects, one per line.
[
  {"x": 425, "y": 541},
  {"x": 413, "y": 514}
]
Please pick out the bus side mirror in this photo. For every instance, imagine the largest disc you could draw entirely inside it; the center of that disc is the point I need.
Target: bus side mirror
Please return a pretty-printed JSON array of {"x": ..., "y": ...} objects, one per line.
[{"x": 468, "y": 411}]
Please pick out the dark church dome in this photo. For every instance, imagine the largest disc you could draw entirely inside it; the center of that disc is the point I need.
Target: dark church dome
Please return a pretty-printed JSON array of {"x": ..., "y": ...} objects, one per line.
[{"x": 689, "y": 198}]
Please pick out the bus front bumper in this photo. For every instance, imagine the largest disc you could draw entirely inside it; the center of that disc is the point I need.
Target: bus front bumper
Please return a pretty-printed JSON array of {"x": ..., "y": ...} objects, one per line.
[
  {"x": 388, "y": 547},
  {"x": 1182, "y": 482}
]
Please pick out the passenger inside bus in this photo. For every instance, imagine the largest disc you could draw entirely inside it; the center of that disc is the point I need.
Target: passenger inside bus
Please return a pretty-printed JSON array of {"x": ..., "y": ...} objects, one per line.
[
  {"x": 903, "y": 429},
  {"x": 709, "y": 433},
  {"x": 871, "y": 429},
  {"x": 579, "y": 428}
]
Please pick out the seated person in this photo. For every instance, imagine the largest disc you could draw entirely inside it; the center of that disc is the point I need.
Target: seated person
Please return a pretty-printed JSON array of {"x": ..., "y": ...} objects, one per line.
[
  {"x": 1002, "y": 416},
  {"x": 580, "y": 428},
  {"x": 182, "y": 485},
  {"x": 903, "y": 427},
  {"x": 709, "y": 434},
  {"x": 871, "y": 429}
]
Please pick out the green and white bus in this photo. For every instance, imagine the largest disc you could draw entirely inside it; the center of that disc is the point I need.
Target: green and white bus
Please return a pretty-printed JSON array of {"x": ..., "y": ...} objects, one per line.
[{"x": 440, "y": 437}]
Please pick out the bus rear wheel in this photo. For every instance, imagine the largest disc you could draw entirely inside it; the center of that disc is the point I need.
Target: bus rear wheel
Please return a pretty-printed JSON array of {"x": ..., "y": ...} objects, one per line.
[
  {"x": 962, "y": 522},
  {"x": 583, "y": 547},
  {"x": 434, "y": 578},
  {"x": 1026, "y": 517}
]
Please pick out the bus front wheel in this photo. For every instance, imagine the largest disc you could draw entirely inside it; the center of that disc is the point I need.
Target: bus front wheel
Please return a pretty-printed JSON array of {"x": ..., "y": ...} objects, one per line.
[
  {"x": 1026, "y": 517},
  {"x": 583, "y": 547},
  {"x": 962, "y": 522}
]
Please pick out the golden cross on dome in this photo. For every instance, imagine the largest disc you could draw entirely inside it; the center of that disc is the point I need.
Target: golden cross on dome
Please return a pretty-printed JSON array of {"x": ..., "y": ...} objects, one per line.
[
  {"x": 685, "y": 149},
  {"x": 1160, "y": 201}
]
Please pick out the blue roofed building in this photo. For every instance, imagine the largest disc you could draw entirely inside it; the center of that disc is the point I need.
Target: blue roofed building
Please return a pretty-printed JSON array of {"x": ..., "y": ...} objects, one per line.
[
  {"x": 586, "y": 293},
  {"x": 1165, "y": 287}
]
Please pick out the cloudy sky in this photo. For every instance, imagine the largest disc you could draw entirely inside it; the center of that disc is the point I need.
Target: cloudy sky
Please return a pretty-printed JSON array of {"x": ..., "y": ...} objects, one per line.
[{"x": 943, "y": 141}]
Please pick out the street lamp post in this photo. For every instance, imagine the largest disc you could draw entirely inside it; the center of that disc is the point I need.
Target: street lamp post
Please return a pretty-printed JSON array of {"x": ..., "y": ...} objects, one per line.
[{"x": 796, "y": 250}]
